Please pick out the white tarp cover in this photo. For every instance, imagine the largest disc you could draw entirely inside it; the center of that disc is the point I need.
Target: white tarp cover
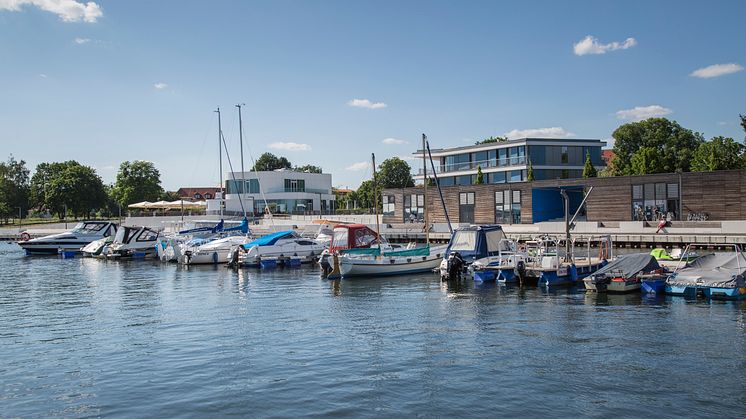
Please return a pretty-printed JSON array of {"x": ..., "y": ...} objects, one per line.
[{"x": 722, "y": 270}]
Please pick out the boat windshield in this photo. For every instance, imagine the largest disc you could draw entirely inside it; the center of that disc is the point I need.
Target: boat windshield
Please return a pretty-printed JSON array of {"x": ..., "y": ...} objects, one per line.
[
  {"x": 464, "y": 240},
  {"x": 123, "y": 235},
  {"x": 340, "y": 238},
  {"x": 89, "y": 228}
]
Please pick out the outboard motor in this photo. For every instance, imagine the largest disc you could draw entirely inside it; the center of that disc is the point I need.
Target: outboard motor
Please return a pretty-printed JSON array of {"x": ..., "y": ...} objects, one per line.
[
  {"x": 455, "y": 266},
  {"x": 520, "y": 271},
  {"x": 601, "y": 281},
  {"x": 233, "y": 258}
]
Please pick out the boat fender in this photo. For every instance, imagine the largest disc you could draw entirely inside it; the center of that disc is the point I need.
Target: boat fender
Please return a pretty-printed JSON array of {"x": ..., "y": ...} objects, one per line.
[
  {"x": 25, "y": 237},
  {"x": 215, "y": 257}
]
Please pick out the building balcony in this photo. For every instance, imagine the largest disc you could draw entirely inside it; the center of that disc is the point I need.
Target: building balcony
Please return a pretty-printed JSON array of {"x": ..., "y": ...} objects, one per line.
[{"x": 472, "y": 166}]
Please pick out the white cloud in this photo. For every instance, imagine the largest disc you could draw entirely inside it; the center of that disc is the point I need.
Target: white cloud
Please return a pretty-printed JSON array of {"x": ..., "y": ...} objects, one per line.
[
  {"x": 393, "y": 141},
  {"x": 716, "y": 70},
  {"x": 639, "y": 113},
  {"x": 590, "y": 45},
  {"x": 81, "y": 41},
  {"x": 356, "y": 167},
  {"x": 551, "y": 132},
  {"x": 289, "y": 146},
  {"x": 67, "y": 10},
  {"x": 365, "y": 103},
  {"x": 161, "y": 86},
  {"x": 610, "y": 143},
  {"x": 42, "y": 75}
]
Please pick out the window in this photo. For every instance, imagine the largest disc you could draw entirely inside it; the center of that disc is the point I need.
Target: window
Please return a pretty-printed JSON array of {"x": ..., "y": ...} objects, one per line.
[
  {"x": 466, "y": 207},
  {"x": 516, "y": 175},
  {"x": 414, "y": 207},
  {"x": 197, "y": 195},
  {"x": 458, "y": 162},
  {"x": 502, "y": 157},
  {"x": 446, "y": 181},
  {"x": 147, "y": 235},
  {"x": 388, "y": 205},
  {"x": 564, "y": 158},
  {"x": 464, "y": 241},
  {"x": 208, "y": 195},
  {"x": 508, "y": 207},
  {"x": 463, "y": 180},
  {"x": 498, "y": 177},
  {"x": 295, "y": 185},
  {"x": 654, "y": 201}
]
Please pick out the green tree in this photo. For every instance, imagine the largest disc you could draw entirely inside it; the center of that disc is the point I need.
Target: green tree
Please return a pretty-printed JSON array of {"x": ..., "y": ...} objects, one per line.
[
  {"x": 394, "y": 173},
  {"x": 14, "y": 187},
  {"x": 137, "y": 181},
  {"x": 588, "y": 169},
  {"x": 530, "y": 174},
  {"x": 268, "y": 162},
  {"x": 72, "y": 186},
  {"x": 309, "y": 168},
  {"x": 480, "y": 176},
  {"x": 364, "y": 195},
  {"x": 719, "y": 153},
  {"x": 492, "y": 139},
  {"x": 672, "y": 144}
]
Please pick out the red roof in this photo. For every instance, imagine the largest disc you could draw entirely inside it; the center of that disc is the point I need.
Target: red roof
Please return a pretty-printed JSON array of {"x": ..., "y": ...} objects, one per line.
[{"x": 197, "y": 192}]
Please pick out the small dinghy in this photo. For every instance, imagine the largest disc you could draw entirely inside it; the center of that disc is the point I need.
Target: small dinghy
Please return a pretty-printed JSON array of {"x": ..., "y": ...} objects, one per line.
[{"x": 622, "y": 274}]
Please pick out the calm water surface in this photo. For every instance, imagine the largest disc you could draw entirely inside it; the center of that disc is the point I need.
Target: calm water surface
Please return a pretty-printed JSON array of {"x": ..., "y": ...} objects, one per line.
[{"x": 82, "y": 337}]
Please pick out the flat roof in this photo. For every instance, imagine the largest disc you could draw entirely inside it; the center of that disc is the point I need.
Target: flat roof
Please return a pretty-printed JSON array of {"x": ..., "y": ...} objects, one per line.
[{"x": 508, "y": 143}]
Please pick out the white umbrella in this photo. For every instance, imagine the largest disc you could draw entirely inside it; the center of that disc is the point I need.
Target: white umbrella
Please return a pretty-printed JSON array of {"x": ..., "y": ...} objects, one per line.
[{"x": 140, "y": 205}]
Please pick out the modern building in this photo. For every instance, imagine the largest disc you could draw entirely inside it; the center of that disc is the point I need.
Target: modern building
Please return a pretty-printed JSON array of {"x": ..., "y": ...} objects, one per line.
[
  {"x": 508, "y": 161},
  {"x": 691, "y": 196},
  {"x": 280, "y": 191}
]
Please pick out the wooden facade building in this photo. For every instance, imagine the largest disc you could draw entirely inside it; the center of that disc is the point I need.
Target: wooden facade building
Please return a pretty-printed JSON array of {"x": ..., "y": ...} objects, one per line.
[{"x": 690, "y": 196}]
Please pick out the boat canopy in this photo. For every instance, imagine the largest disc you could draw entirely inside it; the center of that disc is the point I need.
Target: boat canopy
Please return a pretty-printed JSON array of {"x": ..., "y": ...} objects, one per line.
[
  {"x": 270, "y": 239},
  {"x": 660, "y": 254},
  {"x": 627, "y": 266},
  {"x": 721, "y": 270},
  {"x": 353, "y": 236},
  {"x": 478, "y": 241}
]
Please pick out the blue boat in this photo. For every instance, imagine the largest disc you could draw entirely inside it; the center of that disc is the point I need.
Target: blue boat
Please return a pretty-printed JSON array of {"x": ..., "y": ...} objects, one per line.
[
  {"x": 508, "y": 267},
  {"x": 716, "y": 276},
  {"x": 472, "y": 243}
]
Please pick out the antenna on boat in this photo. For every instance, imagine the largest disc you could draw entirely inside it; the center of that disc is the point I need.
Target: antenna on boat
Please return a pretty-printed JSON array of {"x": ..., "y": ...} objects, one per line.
[
  {"x": 424, "y": 208},
  {"x": 240, "y": 136},
  {"x": 220, "y": 160},
  {"x": 375, "y": 200}
]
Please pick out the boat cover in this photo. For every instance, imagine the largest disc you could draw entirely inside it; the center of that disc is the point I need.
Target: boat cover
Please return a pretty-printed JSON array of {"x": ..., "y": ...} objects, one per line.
[
  {"x": 270, "y": 239},
  {"x": 417, "y": 251},
  {"x": 627, "y": 266},
  {"x": 659, "y": 253},
  {"x": 720, "y": 270}
]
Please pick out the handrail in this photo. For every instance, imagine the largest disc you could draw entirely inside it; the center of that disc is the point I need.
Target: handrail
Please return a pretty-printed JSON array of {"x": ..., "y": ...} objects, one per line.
[{"x": 484, "y": 164}]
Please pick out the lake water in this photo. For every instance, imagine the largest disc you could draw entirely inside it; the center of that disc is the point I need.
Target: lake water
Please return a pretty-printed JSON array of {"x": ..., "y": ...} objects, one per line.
[{"x": 83, "y": 337}]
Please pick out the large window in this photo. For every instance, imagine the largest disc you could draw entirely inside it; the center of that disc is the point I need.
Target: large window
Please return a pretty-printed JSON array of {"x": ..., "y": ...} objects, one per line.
[
  {"x": 654, "y": 201},
  {"x": 497, "y": 177},
  {"x": 414, "y": 207},
  {"x": 241, "y": 186},
  {"x": 508, "y": 207},
  {"x": 466, "y": 207},
  {"x": 458, "y": 162},
  {"x": 389, "y": 206},
  {"x": 295, "y": 185}
]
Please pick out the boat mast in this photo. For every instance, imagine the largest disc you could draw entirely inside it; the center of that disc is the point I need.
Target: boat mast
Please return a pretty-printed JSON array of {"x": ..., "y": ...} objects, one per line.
[
  {"x": 240, "y": 136},
  {"x": 424, "y": 208},
  {"x": 220, "y": 161},
  {"x": 375, "y": 200}
]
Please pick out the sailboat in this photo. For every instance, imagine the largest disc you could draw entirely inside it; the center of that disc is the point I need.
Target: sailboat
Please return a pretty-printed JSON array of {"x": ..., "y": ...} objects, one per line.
[
  {"x": 219, "y": 249},
  {"x": 391, "y": 262}
]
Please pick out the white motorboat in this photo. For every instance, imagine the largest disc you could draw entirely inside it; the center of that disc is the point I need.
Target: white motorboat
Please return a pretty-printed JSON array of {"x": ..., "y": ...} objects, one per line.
[
  {"x": 395, "y": 262},
  {"x": 210, "y": 252},
  {"x": 96, "y": 248},
  {"x": 136, "y": 242},
  {"x": 281, "y": 246},
  {"x": 84, "y": 233}
]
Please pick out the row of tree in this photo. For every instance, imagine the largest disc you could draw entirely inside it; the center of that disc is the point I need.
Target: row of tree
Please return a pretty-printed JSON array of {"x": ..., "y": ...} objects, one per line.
[
  {"x": 70, "y": 188},
  {"x": 657, "y": 145}
]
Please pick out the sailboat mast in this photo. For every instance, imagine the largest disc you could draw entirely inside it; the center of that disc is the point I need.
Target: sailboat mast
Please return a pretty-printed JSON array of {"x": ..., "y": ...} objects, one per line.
[
  {"x": 220, "y": 162},
  {"x": 375, "y": 200},
  {"x": 424, "y": 208},
  {"x": 240, "y": 136}
]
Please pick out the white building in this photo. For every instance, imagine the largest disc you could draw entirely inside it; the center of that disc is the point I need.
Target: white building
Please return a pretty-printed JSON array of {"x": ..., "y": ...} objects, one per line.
[{"x": 282, "y": 191}]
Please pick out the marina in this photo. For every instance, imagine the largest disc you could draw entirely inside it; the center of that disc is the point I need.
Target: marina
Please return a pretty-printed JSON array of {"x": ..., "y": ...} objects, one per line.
[{"x": 154, "y": 339}]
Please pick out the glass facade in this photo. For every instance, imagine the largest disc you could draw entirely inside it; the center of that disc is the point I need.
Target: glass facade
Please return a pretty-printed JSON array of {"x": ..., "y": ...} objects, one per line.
[
  {"x": 285, "y": 206},
  {"x": 389, "y": 205},
  {"x": 241, "y": 186},
  {"x": 655, "y": 201},
  {"x": 414, "y": 207},
  {"x": 508, "y": 207},
  {"x": 295, "y": 185}
]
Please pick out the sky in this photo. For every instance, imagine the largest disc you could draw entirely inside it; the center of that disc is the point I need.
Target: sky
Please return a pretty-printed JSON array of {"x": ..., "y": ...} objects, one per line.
[{"x": 330, "y": 82}]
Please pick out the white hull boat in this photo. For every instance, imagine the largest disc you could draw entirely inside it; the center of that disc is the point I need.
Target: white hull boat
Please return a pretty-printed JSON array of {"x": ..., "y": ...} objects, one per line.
[
  {"x": 83, "y": 234},
  {"x": 390, "y": 264},
  {"x": 211, "y": 253},
  {"x": 285, "y": 245},
  {"x": 134, "y": 242}
]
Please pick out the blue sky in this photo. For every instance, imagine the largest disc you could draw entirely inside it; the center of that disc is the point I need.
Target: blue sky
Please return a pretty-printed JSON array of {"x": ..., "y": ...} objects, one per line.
[{"x": 329, "y": 82}]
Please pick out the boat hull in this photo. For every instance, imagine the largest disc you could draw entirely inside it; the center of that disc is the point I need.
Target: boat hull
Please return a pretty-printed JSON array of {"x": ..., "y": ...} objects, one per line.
[
  {"x": 385, "y": 266},
  {"x": 706, "y": 292}
]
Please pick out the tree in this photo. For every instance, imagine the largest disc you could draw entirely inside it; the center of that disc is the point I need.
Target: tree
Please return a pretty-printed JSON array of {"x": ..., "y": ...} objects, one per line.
[
  {"x": 530, "y": 174},
  {"x": 588, "y": 169},
  {"x": 14, "y": 187},
  {"x": 672, "y": 145},
  {"x": 67, "y": 185},
  {"x": 719, "y": 153},
  {"x": 364, "y": 194},
  {"x": 309, "y": 168},
  {"x": 480, "y": 176},
  {"x": 492, "y": 139},
  {"x": 394, "y": 173},
  {"x": 137, "y": 181},
  {"x": 268, "y": 162}
]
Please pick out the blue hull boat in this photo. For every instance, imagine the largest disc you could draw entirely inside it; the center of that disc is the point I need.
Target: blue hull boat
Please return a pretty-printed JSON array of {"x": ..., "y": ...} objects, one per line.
[{"x": 717, "y": 276}]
